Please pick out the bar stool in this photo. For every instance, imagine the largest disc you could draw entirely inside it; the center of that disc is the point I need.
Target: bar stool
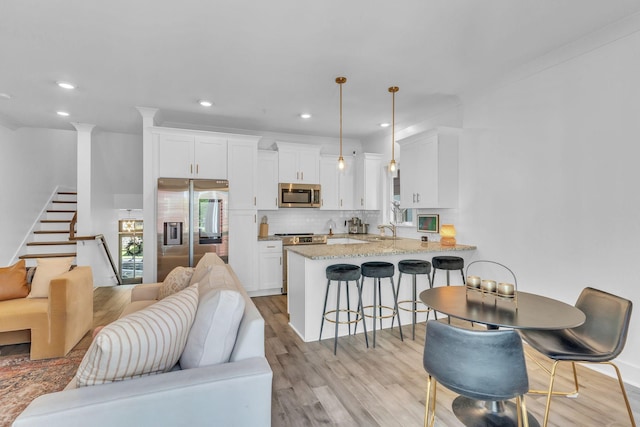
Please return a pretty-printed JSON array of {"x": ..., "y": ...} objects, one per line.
[
  {"x": 414, "y": 267},
  {"x": 378, "y": 270},
  {"x": 342, "y": 273},
  {"x": 447, "y": 263}
]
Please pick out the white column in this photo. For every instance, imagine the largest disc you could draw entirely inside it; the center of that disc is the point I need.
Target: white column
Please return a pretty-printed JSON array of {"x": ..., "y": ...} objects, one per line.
[
  {"x": 148, "y": 195},
  {"x": 84, "y": 226}
]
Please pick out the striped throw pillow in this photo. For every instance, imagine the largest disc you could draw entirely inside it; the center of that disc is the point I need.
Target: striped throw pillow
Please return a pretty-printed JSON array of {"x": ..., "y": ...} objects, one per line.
[{"x": 146, "y": 342}]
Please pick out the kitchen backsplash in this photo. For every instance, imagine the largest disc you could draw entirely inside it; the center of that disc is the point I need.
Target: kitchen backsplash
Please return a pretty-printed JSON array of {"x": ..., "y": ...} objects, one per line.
[{"x": 315, "y": 220}]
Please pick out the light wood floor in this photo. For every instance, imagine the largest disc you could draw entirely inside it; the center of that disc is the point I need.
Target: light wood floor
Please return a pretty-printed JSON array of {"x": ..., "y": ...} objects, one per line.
[{"x": 384, "y": 386}]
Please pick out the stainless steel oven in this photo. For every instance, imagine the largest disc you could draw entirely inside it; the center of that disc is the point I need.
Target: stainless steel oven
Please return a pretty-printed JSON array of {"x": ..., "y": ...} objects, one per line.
[{"x": 291, "y": 239}]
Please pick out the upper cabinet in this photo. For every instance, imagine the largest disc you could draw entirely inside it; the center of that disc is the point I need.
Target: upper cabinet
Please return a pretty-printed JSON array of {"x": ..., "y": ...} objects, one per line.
[
  {"x": 368, "y": 177},
  {"x": 243, "y": 164},
  {"x": 298, "y": 163},
  {"x": 192, "y": 156},
  {"x": 336, "y": 185},
  {"x": 429, "y": 170},
  {"x": 267, "y": 179}
]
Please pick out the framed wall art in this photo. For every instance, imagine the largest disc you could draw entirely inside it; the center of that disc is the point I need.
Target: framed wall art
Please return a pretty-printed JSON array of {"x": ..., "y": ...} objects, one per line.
[{"x": 429, "y": 223}]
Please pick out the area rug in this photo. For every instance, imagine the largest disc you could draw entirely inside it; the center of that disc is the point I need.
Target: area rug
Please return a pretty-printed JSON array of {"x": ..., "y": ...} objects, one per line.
[{"x": 22, "y": 380}]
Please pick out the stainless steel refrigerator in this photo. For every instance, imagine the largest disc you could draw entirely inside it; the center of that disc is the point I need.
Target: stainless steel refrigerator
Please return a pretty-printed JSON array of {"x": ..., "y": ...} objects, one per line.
[{"x": 192, "y": 219}]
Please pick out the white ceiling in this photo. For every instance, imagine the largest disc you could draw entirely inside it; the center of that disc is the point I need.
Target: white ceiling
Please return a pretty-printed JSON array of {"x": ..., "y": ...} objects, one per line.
[{"x": 264, "y": 62}]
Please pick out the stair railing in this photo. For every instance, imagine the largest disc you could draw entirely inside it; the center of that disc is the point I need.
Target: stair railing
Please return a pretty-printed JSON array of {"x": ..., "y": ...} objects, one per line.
[{"x": 99, "y": 238}]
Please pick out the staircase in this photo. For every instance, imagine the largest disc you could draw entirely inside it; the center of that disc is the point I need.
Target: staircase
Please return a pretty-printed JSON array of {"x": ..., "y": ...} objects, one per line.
[
  {"x": 52, "y": 238},
  {"x": 56, "y": 236}
]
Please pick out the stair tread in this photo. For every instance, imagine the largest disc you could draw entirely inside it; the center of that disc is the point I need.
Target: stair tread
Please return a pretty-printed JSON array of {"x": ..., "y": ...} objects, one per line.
[
  {"x": 52, "y": 243},
  {"x": 63, "y": 201},
  {"x": 56, "y": 221},
  {"x": 73, "y": 193},
  {"x": 61, "y": 211},
  {"x": 54, "y": 255},
  {"x": 51, "y": 232}
]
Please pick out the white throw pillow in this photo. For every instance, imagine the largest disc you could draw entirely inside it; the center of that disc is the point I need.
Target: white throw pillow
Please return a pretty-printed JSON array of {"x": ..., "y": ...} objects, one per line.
[
  {"x": 47, "y": 269},
  {"x": 214, "y": 331},
  {"x": 149, "y": 341},
  {"x": 177, "y": 280}
]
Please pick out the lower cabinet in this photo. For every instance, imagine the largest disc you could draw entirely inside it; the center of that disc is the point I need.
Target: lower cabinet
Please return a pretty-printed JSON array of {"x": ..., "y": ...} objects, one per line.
[{"x": 270, "y": 266}]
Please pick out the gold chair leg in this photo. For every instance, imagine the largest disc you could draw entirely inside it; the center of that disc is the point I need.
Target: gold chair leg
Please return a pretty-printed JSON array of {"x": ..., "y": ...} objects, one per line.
[
  {"x": 549, "y": 393},
  {"x": 522, "y": 409},
  {"x": 430, "y": 403},
  {"x": 573, "y": 393},
  {"x": 624, "y": 393}
]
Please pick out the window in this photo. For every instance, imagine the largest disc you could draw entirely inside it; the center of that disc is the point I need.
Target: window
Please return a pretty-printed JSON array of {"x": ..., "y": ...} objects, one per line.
[
  {"x": 399, "y": 215},
  {"x": 131, "y": 254}
]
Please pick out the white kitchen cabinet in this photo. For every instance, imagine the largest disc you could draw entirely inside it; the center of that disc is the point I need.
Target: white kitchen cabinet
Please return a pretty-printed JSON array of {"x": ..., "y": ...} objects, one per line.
[
  {"x": 183, "y": 155},
  {"x": 368, "y": 178},
  {"x": 243, "y": 230},
  {"x": 270, "y": 265},
  {"x": 267, "y": 179},
  {"x": 243, "y": 163},
  {"x": 298, "y": 163},
  {"x": 336, "y": 185},
  {"x": 429, "y": 170}
]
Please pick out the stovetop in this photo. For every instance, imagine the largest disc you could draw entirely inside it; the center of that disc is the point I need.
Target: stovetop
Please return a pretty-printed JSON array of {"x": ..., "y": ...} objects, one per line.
[{"x": 293, "y": 234}]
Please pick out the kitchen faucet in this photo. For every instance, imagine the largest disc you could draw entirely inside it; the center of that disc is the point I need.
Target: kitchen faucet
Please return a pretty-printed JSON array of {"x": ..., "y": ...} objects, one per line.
[{"x": 390, "y": 226}]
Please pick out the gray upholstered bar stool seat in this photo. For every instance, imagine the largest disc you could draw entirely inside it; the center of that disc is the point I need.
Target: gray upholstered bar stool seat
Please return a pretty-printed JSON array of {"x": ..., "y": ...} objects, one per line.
[
  {"x": 414, "y": 267},
  {"x": 447, "y": 263},
  {"x": 342, "y": 273},
  {"x": 380, "y": 270}
]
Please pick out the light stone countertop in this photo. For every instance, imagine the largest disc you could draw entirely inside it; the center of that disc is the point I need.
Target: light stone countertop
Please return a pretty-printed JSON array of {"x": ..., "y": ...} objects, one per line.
[{"x": 372, "y": 245}]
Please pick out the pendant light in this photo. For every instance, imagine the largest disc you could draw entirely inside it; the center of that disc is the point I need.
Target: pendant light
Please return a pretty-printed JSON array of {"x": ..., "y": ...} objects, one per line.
[
  {"x": 392, "y": 163},
  {"x": 341, "y": 81}
]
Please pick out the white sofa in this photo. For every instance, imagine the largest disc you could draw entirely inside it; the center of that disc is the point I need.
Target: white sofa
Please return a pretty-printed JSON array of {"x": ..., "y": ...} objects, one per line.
[{"x": 237, "y": 393}]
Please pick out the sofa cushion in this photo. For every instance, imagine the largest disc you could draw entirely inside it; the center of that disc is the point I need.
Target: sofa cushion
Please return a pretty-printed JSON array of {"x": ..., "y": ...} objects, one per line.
[
  {"x": 47, "y": 269},
  {"x": 200, "y": 275},
  {"x": 214, "y": 330},
  {"x": 149, "y": 341},
  {"x": 177, "y": 280},
  {"x": 219, "y": 278},
  {"x": 134, "y": 306},
  {"x": 13, "y": 281}
]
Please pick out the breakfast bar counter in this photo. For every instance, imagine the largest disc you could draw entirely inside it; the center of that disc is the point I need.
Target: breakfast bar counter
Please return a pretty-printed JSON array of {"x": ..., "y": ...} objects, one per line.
[{"x": 307, "y": 278}]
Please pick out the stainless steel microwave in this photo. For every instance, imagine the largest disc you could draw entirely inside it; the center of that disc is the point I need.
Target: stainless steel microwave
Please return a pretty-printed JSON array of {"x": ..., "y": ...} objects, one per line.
[{"x": 292, "y": 195}]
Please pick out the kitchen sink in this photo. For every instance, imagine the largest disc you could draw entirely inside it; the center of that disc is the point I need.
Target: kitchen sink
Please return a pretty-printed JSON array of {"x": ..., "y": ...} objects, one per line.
[
  {"x": 381, "y": 238},
  {"x": 346, "y": 241}
]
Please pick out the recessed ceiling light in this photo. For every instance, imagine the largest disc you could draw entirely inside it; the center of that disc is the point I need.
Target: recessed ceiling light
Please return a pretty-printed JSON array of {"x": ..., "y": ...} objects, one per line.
[
  {"x": 62, "y": 113},
  {"x": 205, "y": 103},
  {"x": 384, "y": 125},
  {"x": 5, "y": 95},
  {"x": 305, "y": 115},
  {"x": 66, "y": 85}
]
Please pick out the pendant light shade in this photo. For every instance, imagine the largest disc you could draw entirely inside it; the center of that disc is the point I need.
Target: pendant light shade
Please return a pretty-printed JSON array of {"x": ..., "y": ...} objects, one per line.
[
  {"x": 341, "y": 81},
  {"x": 392, "y": 163}
]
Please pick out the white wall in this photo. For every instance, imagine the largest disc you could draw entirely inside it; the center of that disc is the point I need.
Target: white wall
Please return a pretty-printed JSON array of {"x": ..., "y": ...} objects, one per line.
[
  {"x": 549, "y": 175},
  {"x": 33, "y": 163},
  {"x": 116, "y": 168}
]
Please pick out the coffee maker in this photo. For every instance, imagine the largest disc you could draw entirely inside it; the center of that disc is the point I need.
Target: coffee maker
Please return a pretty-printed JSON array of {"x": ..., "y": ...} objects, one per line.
[{"x": 356, "y": 226}]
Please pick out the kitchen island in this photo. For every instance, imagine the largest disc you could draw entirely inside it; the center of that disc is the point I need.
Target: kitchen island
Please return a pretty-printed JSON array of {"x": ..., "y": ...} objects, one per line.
[{"x": 308, "y": 282}]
